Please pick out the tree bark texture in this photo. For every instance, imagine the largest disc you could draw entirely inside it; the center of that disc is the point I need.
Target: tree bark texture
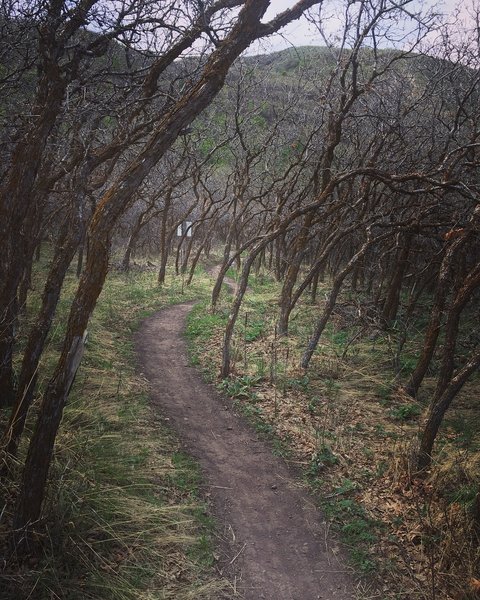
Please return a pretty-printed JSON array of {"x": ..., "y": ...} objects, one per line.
[{"x": 392, "y": 301}]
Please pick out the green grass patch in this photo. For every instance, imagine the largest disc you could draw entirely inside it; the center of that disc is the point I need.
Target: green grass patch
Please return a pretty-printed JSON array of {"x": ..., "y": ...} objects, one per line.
[
  {"x": 406, "y": 412},
  {"x": 240, "y": 387},
  {"x": 202, "y": 326},
  {"x": 358, "y": 531}
]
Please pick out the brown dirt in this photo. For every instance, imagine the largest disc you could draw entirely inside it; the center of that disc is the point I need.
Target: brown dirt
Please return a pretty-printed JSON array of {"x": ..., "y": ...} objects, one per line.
[{"x": 275, "y": 544}]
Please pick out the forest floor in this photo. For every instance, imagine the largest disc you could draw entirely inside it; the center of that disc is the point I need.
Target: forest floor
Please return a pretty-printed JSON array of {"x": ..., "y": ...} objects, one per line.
[
  {"x": 274, "y": 544},
  {"x": 348, "y": 427}
]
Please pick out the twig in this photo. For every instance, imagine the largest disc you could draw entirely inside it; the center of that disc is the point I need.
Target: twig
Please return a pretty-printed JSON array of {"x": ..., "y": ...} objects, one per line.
[{"x": 238, "y": 554}]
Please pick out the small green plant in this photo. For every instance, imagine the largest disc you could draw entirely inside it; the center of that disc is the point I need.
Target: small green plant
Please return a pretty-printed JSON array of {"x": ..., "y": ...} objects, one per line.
[
  {"x": 368, "y": 452},
  {"x": 380, "y": 429},
  {"x": 340, "y": 337},
  {"x": 263, "y": 427},
  {"x": 240, "y": 387},
  {"x": 384, "y": 393},
  {"x": 332, "y": 388},
  {"x": 466, "y": 430},
  {"x": 464, "y": 494},
  {"x": 382, "y": 468},
  {"x": 407, "y": 364},
  {"x": 299, "y": 383},
  {"x": 314, "y": 405},
  {"x": 406, "y": 412},
  {"x": 346, "y": 486},
  {"x": 362, "y": 560},
  {"x": 358, "y": 530},
  {"x": 260, "y": 367},
  {"x": 201, "y": 324},
  {"x": 254, "y": 331},
  {"x": 322, "y": 458}
]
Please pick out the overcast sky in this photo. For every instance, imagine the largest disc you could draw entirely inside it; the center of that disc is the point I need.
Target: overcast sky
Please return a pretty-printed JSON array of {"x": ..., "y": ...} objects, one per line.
[{"x": 301, "y": 33}]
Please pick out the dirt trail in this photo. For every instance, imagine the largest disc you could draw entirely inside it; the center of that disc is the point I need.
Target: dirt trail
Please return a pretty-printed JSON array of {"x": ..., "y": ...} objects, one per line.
[{"x": 275, "y": 545}]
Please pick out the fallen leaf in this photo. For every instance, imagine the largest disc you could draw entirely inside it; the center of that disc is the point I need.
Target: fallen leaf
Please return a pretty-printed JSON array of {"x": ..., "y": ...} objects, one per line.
[{"x": 475, "y": 585}]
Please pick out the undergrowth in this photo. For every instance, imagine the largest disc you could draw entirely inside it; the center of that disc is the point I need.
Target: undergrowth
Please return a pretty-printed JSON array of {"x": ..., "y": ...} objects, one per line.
[
  {"x": 347, "y": 424},
  {"x": 123, "y": 519}
]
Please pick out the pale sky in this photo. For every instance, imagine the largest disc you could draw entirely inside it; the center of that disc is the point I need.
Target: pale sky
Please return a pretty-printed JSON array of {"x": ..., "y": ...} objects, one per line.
[{"x": 301, "y": 33}]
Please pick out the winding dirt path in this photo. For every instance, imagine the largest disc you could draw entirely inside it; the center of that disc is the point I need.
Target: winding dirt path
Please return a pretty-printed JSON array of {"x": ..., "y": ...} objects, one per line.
[{"x": 275, "y": 545}]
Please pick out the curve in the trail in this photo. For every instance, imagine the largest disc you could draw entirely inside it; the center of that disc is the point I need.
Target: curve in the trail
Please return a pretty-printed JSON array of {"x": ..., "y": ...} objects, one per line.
[{"x": 274, "y": 543}]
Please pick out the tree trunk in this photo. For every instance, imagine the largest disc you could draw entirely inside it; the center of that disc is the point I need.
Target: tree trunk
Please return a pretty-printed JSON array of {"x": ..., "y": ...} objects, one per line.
[
  {"x": 433, "y": 328},
  {"x": 79, "y": 268},
  {"x": 7, "y": 337},
  {"x": 41, "y": 445},
  {"x": 217, "y": 288},
  {"x": 462, "y": 297},
  {"x": 392, "y": 301},
  {"x": 202, "y": 246},
  {"x": 330, "y": 305},
  {"x": 271, "y": 255},
  {"x": 229, "y": 329},
  {"x": 195, "y": 260},
  {"x": 13, "y": 294},
  {"x": 296, "y": 257},
  {"x": 327, "y": 311},
  {"x": 188, "y": 251},
  {"x": 25, "y": 286},
  {"x": 65, "y": 251},
  {"x": 317, "y": 270},
  {"x": 164, "y": 250},
  {"x": 17, "y": 200},
  {"x": 279, "y": 258},
  {"x": 438, "y": 407},
  {"x": 132, "y": 240},
  {"x": 314, "y": 289}
]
